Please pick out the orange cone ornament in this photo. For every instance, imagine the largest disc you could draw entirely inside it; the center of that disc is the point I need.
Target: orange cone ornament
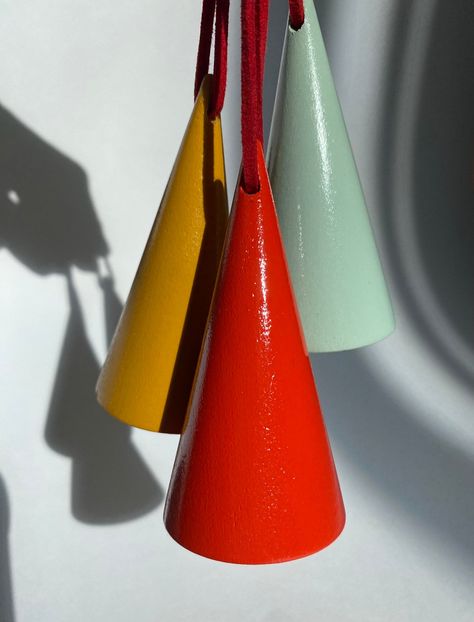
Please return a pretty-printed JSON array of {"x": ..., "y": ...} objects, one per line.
[
  {"x": 148, "y": 375},
  {"x": 254, "y": 480}
]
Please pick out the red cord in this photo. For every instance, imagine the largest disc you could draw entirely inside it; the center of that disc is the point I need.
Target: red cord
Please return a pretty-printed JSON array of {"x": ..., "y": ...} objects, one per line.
[
  {"x": 261, "y": 28},
  {"x": 254, "y": 18},
  {"x": 205, "y": 40},
  {"x": 219, "y": 9},
  {"x": 249, "y": 98},
  {"x": 220, "y": 58},
  {"x": 296, "y": 13}
]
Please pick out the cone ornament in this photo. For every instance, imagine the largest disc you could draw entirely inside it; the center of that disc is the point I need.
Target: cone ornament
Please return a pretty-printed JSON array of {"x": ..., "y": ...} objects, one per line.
[
  {"x": 148, "y": 374},
  {"x": 254, "y": 480}
]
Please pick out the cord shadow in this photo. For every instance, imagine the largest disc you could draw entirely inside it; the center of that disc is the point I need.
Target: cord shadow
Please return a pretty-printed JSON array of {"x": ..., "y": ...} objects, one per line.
[
  {"x": 7, "y": 610},
  {"x": 49, "y": 223},
  {"x": 110, "y": 481}
]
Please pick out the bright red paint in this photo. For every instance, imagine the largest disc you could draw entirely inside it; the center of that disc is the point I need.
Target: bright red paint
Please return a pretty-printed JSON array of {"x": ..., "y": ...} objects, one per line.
[{"x": 254, "y": 480}]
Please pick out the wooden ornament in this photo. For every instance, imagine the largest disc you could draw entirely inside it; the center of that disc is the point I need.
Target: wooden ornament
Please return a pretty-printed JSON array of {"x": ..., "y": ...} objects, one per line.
[
  {"x": 147, "y": 377},
  {"x": 254, "y": 480},
  {"x": 337, "y": 276}
]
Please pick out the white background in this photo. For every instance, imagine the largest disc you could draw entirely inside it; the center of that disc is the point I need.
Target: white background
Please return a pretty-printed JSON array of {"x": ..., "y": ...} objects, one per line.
[{"x": 109, "y": 85}]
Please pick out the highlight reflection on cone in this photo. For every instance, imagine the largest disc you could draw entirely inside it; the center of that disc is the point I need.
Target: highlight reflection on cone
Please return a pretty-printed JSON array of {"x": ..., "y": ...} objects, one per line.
[
  {"x": 254, "y": 480},
  {"x": 337, "y": 276},
  {"x": 148, "y": 374}
]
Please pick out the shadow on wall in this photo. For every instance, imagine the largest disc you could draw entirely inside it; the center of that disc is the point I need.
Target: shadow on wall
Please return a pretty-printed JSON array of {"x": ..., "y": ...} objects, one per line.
[
  {"x": 424, "y": 475},
  {"x": 47, "y": 219},
  {"x": 48, "y": 222},
  {"x": 110, "y": 481},
  {"x": 7, "y": 612},
  {"x": 440, "y": 149},
  {"x": 421, "y": 474}
]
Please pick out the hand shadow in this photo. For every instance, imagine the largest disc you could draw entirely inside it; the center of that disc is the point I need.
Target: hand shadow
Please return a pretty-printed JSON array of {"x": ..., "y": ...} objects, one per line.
[
  {"x": 48, "y": 222},
  {"x": 110, "y": 481},
  {"x": 47, "y": 218},
  {"x": 7, "y": 613}
]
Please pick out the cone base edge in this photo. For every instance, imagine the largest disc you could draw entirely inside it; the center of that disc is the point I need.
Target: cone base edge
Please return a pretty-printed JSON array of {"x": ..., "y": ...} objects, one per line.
[
  {"x": 312, "y": 551},
  {"x": 363, "y": 343},
  {"x": 123, "y": 419}
]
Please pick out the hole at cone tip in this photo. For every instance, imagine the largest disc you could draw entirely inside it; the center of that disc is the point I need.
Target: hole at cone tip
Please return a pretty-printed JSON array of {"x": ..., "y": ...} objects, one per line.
[
  {"x": 297, "y": 26},
  {"x": 249, "y": 192},
  {"x": 211, "y": 114}
]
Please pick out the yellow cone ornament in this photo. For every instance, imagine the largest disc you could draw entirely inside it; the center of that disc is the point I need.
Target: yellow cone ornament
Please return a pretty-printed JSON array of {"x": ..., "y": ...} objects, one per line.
[{"x": 148, "y": 374}]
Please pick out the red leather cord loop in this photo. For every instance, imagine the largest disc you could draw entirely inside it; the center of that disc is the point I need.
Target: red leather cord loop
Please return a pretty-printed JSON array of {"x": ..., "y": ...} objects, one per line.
[
  {"x": 250, "y": 181},
  {"x": 296, "y": 13},
  {"x": 261, "y": 27},
  {"x": 220, "y": 10},
  {"x": 220, "y": 58},
  {"x": 205, "y": 40},
  {"x": 254, "y": 18}
]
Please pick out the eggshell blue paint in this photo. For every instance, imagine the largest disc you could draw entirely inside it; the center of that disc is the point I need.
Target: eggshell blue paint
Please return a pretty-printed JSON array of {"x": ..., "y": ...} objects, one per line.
[{"x": 337, "y": 276}]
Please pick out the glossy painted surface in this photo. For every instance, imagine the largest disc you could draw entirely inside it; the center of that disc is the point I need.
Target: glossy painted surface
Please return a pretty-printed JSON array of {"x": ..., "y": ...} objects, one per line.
[
  {"x": 254, "y": 480},
  {"x": 337, "y": 276},
  {"x": 148, "y": 374}
]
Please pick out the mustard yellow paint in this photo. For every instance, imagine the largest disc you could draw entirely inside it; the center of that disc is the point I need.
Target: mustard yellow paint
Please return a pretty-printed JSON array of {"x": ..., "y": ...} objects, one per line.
[{"x": 148, "y": 375}]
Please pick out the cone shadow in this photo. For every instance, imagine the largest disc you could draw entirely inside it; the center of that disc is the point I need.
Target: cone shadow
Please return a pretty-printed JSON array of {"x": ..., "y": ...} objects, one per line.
[
  {"x": 203, "y": 286},
  {"x": 7, "y": 612},
  {"x": 48, "y": 223},
  {"x": 439, "y": 149},
  {"x": 110, "y": 481}
]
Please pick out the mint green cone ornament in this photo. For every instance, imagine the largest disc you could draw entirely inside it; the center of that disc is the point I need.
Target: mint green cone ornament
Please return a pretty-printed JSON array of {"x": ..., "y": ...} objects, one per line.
[{"x": 337, "y": 276}]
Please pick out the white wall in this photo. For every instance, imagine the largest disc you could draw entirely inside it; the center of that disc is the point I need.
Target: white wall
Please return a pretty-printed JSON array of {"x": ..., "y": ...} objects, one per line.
[{"x": 109, "y": 86}]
